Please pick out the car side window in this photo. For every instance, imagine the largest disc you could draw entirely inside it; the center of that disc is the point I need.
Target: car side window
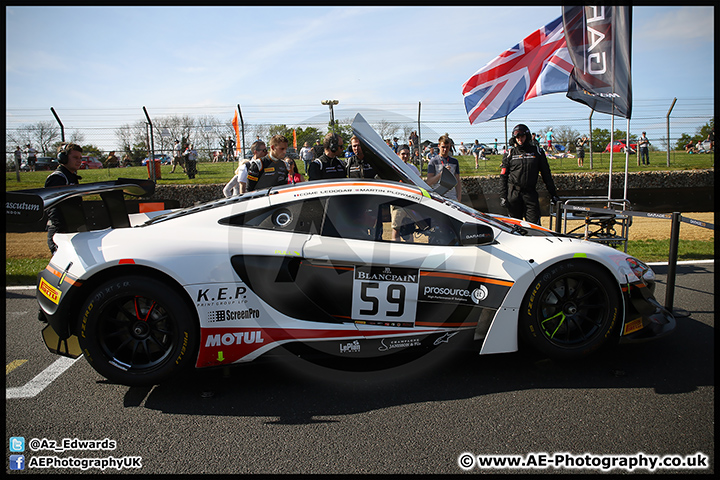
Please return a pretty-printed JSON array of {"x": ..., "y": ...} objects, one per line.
[
  {"x": 299, "y": 217},
  {"x": 380, "y": 218}
]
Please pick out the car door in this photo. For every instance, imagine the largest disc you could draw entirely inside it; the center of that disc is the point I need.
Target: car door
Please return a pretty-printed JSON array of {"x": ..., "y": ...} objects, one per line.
[{"x": 358, "y": 273}]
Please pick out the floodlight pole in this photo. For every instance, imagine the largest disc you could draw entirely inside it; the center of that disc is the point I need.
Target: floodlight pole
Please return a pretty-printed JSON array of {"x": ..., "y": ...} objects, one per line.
[{"x": 332, "y": 113}]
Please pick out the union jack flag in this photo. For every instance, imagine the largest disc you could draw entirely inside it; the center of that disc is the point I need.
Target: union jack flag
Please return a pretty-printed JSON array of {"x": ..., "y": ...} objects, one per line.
[{"x": 538, "y": 65}]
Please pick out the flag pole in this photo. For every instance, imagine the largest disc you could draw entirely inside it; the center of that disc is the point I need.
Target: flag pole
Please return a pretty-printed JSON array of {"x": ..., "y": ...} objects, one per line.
[
  {"x": 627, "y": 157},
  {"x": 242, "y": 129}
]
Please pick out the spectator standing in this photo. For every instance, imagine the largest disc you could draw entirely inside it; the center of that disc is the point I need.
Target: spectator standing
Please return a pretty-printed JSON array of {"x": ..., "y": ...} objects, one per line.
[
  {"x": 476, "y": 153},
  {"x": 18, "y": 157},
  {"x": 443, "y": 161},
  {"x": 191, "y": 161},
  {"x": 307, "y": 155},
  {"x": 31, "y": 157},
  {"x": 357, "y": 167},
  {"x": 535, "y": 141},
  {"x": 328, "y": 165},
  {"x": 112, "y": 160},
  {"x": 177, "y": 157},
  {"x": 549, "y": 137},
  {"x": 414, "y": 147},
  {"x": 230, "y": 155},
  {"x": 69, "y": 160},
  {"x": 519, "y": 175},
  {"x": 404, "y": 154},
  {"x": 581, "y": 142},
  {"x": 643, "y": 145},
  {"x": 293, "y": 172}
]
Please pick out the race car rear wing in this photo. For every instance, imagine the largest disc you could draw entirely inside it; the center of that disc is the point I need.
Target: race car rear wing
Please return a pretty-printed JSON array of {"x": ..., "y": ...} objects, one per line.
[{"x": 28, "y": 206}]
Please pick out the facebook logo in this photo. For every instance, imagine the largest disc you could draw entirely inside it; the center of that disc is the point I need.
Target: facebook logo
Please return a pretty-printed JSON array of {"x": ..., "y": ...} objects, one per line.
[
  {"x": 17, "y": 462},
  {"x": 17, "y": 444}
]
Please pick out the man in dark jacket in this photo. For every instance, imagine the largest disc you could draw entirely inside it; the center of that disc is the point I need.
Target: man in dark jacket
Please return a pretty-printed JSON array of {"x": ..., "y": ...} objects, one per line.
[
  {"x": 70, "y": 159},
  {"x": 328, "y": 165},
  {"x": 519, "y": 175}
]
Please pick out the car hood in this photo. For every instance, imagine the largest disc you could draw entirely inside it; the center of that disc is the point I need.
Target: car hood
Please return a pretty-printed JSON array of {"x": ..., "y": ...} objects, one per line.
[{"x": 378, "y": 154}]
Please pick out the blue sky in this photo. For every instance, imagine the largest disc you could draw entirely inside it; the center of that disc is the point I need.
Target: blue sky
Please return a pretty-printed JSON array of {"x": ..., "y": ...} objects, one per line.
[{"x": 102, "y": 64}]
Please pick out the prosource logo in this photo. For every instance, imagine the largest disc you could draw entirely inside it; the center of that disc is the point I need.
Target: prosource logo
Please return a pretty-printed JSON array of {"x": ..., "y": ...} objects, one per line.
[{"x": 479, "y": 294}]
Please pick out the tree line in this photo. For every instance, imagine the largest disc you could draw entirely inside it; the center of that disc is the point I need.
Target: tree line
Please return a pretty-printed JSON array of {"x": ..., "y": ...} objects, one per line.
[{"x": 209, "y": 134}]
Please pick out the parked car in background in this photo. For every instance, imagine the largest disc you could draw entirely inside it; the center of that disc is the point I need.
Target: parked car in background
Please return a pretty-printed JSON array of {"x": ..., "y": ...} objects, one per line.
[
  {"x": 42, "y": 163},
  {"x": 619, "y": 146},
  {"x": 90, "y": 162},
  {"x": 164, "y": 159}
]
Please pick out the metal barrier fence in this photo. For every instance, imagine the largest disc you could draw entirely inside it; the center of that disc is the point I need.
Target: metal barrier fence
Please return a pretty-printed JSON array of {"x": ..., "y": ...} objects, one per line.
[{"x": 561, "y": 212}]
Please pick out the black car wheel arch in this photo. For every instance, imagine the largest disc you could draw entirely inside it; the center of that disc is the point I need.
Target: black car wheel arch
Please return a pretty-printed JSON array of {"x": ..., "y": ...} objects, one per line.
[
  {"x": 572, "y": 309},
  {"x": 136, "y": 330}
]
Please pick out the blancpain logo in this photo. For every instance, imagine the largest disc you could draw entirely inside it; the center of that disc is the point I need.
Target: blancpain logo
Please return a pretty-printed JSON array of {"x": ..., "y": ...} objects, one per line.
[{"x": 385, "y": 276}]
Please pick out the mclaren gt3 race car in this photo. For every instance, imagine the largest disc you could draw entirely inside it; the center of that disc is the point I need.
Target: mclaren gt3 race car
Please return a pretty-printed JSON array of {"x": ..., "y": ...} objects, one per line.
[{"x": 352, "y": 268}]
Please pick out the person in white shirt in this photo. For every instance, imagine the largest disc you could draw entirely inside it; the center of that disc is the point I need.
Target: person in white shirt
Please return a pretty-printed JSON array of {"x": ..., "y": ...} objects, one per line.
[
  {"x": 238, "y": 184},
  {"x": 307, "y": 155}
]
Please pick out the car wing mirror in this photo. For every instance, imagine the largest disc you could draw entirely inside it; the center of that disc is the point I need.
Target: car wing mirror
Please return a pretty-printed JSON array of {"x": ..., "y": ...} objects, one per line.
[
  {"x": 447, "y": 181},
  {"x": 476, "y": 234}
]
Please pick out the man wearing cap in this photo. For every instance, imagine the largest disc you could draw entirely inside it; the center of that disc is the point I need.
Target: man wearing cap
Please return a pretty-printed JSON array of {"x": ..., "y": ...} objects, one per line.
[{"x": 519, "y": 175}]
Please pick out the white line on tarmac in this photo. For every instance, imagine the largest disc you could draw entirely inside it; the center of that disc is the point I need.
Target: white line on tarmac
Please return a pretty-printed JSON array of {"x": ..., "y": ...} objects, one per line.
[{"x": 42, "y": 380}]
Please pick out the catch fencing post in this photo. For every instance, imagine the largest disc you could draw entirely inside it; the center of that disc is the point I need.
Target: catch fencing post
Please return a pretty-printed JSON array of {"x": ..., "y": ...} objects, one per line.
[
  {"x": 151, "y": 145},
  {"x": 62, "y": 128},
  {"x": 672, "y": 261},
  {"x": 667, "y": 125}
]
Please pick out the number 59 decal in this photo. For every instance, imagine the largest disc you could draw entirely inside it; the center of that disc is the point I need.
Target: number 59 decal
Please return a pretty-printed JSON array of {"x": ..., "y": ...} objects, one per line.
[{"x": 385, "y": 295}]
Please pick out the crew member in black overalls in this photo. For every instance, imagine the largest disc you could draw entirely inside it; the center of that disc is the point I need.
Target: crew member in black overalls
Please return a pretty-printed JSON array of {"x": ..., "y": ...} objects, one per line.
[
  {"x": 357, "y": 166},
  {"x": 69, "y": 159},
  {"x": 328, "y": 165},
  {"x": 271, "y": 170},
  {"x": 519, "y": 176}
]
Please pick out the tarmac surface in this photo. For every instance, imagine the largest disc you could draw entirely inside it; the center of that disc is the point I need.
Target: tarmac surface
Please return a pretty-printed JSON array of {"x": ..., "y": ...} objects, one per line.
[{"x": 654, "y": 400}]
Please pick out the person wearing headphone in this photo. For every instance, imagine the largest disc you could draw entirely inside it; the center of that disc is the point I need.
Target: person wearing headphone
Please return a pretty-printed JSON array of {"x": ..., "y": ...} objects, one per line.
[
  {"x": 519, "y": 175},
  {"x": 69, "y": 159},
  {"x": 328, "y": 165}
]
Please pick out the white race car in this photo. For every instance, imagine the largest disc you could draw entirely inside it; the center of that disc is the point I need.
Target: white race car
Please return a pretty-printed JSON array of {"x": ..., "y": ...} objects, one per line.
[{"x": 341, "y": 269}]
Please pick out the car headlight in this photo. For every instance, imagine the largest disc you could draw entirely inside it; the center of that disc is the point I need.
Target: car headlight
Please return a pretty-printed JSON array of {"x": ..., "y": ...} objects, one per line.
[{"x": 641, "y": 270}]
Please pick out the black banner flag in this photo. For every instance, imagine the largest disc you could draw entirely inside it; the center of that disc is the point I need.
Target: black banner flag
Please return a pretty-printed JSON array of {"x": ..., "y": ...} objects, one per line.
[{"x": 599, "y": 42}]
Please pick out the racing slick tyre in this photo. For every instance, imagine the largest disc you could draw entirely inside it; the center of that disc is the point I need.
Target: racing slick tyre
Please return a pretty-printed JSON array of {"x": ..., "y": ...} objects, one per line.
[
  {"x": 137, "y": 331},
  {"x": 571, "y": 310}
]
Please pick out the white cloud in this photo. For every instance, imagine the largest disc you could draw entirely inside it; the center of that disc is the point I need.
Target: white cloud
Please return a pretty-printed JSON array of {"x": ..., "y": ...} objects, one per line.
[{"x": 676, "y": 27}]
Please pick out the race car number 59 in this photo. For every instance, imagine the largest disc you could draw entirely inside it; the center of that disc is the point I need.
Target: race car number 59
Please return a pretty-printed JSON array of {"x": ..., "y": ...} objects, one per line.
[{"x": 385, "y": 294}]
